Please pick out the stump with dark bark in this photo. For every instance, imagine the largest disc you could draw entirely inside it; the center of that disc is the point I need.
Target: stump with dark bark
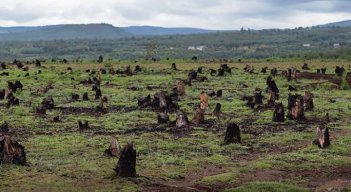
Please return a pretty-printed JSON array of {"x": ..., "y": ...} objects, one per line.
[
  {"x": 279, "y": 114},
  {"x": 2, "y": 94},
  {"x": 323, "y": 138},
  {"x": 162, "y": 118},
  {"x": 4, "y": 127},
  {"x": 126, "y": 165},
  {"x": 308, "y": 101},
  {"x": 274, "y": 72},
  {"x": 221, "y": 72},
  {"x": 174, "y": 67},
  {"x": 114, "y": 148},
  {"x": 296, "y": 107},
  {"x": 11, "y": 151},
  {"x": 219, "y": 93},
  {"x": 85, "y": 97},
  {"x": 181, "y": 119},
  {"x": 305, "y": 67},
  {"x": 217, "y": 112},
  {"x": 98, "y": 94},
  {"x": 83, "y": 125},
  {"x": 273, "y": 96},
  {"x": 232, "y": 134},
  {"x": 258, "y": 97}
]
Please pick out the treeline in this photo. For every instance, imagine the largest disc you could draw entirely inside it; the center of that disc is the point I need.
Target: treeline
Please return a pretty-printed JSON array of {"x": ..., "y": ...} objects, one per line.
[{"x": 310, "y": 43}]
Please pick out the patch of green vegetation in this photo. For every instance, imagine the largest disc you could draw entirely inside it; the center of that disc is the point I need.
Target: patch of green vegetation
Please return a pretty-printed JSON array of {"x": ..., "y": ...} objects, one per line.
[
  {"x": 267, "y": 186},
  {"x": 224, "y": 178}
]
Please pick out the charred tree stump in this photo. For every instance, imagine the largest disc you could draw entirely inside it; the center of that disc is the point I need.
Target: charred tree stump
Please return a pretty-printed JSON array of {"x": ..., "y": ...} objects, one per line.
[
  {"x": 308, "y": 101},
  {"x": 98, "y": 94},
  {"x": 127, "y": 162},
  {"x": 83, "y": 125},
  {"x": 114, "y": 148},
  {"x": 232, "y": 134},
  {"x": 2, "y": 94},
  {"x": 323, "y": 140},
  {"x": 12, "y": 152},
  {"x": 221, "y": 72},
  {"x": 85, "y": 97},
  {"x": 4, "y": 127},
  {"x": 181, "y": 120},
  {"x": 174, "y": 67},
  {"x": 258, "y": 97},
  {"x": 162, "y": 118},
  {"x": 279, "y": 114},
  {"x": 295, "y": 107},
  {"x": 219, "y": 93},
  {"x": 217, "y": 112}
]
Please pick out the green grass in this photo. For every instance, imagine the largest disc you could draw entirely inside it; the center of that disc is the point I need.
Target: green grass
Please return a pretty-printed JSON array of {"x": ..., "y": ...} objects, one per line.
[{"x": 267, "y": 187}]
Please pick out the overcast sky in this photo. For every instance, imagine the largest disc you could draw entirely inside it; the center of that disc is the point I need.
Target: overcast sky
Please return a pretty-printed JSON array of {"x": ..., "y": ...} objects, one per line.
[{"x": 210, "y": 14}]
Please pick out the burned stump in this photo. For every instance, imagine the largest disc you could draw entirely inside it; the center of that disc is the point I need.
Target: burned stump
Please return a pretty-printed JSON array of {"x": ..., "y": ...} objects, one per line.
[
  {"x": 127, "y": 162},
  {"x": 232, "y": 134},
  {"x": 11, "y": 152},
  {"x": 4, "y": 127},
  {"x": 83, "y": 125},
  {"x": 308, "y": 101},
  {"x": 296, "y": 107},
  {"x": 162, "y": 118},
  {"x": 278, "y": 113},
  {"x": 323, "y": 139}
]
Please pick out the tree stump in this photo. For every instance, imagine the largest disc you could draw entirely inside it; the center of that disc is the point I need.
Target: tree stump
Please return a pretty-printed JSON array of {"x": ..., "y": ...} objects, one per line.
[
  {"x": 4, "y": 127},
  {"x": 219, "y": 93},
  {"x": 11, "y": 152},
  {"x": 258, "y": 97},
  {"x": 98, "y": 94},
  {"x": 295, "y": 107},
  {"x": 217, "y": 112},
  {"x": 308, "y": 101},
  {"x": 85, "y": 97},
  {"x": 127, "y": 162},
  {"x": 162, "y": 118},
  {"x": 180, "y": 88},
  {"x": 83, "y": 125},
  {"x": 323, "y": 139},
  {"x": 199, "y": 117},
  {"x": 232, "y": 134},
  {"x": 174, "y": 67},
  {"x": 114, "y": 148},
  {"x": 279, "y": 114},
  {"x": 181, "y": 120},
  {"x": 203, "y": 101}
]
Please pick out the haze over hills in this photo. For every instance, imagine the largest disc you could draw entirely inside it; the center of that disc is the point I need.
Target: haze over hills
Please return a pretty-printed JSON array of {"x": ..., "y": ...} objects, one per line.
[
  {"x": 103, "y": 31},
  {"x": 346, "y": 23}
]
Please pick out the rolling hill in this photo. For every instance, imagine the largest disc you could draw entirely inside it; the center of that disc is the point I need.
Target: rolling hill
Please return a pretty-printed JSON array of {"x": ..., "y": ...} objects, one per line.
[{"x": 62, "y": 32}]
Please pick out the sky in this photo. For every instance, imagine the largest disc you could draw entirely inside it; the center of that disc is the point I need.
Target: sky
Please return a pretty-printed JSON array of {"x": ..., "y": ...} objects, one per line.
[{"x": 208, "y": 14}]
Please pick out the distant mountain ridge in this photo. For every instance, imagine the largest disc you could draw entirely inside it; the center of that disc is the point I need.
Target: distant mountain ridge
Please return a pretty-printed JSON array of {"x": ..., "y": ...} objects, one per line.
[
  {"x": 88, "y": 31},
  {"x": 346, "y": 23},
  {"x": 104, "y": 31},
  {"x": 152, "y": 30},
  {"x": 62, "y": 32}
]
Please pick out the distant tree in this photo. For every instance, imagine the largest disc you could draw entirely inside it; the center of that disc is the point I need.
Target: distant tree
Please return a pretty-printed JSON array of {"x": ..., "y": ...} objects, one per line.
[{"x": 100, "y": 59}]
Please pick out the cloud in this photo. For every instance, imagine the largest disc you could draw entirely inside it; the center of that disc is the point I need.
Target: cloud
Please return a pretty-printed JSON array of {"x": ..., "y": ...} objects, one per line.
[{"x": 211, "y": 14}]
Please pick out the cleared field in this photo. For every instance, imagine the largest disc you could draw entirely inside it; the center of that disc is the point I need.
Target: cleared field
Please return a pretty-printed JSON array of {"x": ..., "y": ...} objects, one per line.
[{"x": 272, "y": 156}]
